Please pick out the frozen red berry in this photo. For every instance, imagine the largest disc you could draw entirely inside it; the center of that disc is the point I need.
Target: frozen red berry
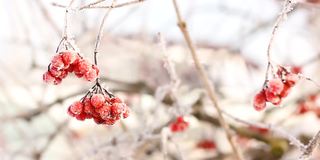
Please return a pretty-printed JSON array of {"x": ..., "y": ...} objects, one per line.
[
  {"x": 55, "y": 72},
  {"x": 57, "y": 62},
  {"x": 259, "y": 102},
  {"x": 83, "y": 66},
  {"x": 69, "y": 57},
  {"x": 76, "y": 108},
  {"x": 109, "y": 121},
  {"x": 275, "y": 85},
  {"x": 97, "y": 100},
  {"x": 272, "y": 98},
  {"x": 91, "y": 75},
  {"x": 105, "y": 112},
  {"x": 48, "y": 78},
  {"x": 81, "y": 116}
]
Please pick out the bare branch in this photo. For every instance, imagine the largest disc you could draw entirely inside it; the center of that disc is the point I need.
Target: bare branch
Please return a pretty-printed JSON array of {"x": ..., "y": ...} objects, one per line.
[
  {"x": 204, "y": 77},
  {"x": 93, "y": 6}
]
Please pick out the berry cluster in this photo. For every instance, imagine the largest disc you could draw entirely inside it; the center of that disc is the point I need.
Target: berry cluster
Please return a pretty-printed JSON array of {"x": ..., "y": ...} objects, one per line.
[
  {"x": 276, "y": 89},
  {"x": 310, "y": 104},
  {"x": 179, "y": 125},
  {"x": 66, "y": 62},
  {"x": 99, "y": 105},
  {"x": 206, "y": 144}
]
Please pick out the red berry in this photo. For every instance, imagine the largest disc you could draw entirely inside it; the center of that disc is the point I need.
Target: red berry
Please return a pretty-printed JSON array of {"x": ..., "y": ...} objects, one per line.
[
  {"x": 83, "y": 66},
  {"x": 69, "y": 57},
  {"x": 286, "y": 90},
  {"x": 105, "y": 112},
  {"x": 81, "y": 116},
  {"x": 98, "y": 120},
  {"x": 296, "y": 69},
  {"x": 76, "y": 108},
  {"x": 117, "y": 110},
  {"x": 272, "y": 98},
  {"x": 259, "y": 102},
  {"x": 55, "y": 72},
  {"x": 109, "y": 121},
  {"x": 114, "y": 100},
  {"x": 87, "y": 107},
  {"x": 78, "y": 74},
  {"x": 70, "y": 113},
  {"x": 91, "y": 75},
  {"x": 206, "y": 144},
  {"x": 98, "y": 100},
  {"x": 179, "y": 125},
  {"x": 47, "y": 77},
  {"x": 275, "y": 86},
  {"x": 57, "y": 62}
]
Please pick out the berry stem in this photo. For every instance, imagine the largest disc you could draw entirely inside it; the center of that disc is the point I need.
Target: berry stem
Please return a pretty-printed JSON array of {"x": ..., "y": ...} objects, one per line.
[
  {"x": 99, "y": 36},
  {"x": 287, "y": 7},
  {"x": 66, "y": 24}
]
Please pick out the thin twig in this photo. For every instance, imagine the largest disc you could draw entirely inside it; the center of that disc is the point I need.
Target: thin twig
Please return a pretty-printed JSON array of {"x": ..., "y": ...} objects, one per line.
[
  {"x": 207, "y": 84},
  {"x": 101, "y": 32},
  {"x": 66, "y": 21},
  {"x": 287, "y": 7},
  {"x": 91, "y": 4},
  {"x": 102, "y": 6}
]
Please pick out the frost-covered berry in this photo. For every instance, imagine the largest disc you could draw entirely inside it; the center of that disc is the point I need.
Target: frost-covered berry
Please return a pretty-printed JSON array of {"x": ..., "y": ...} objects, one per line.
[
  {"x": 97, "y": 100},
  {"x": 98, "y": 120},
  {"x": 55, "y": 72},
  {"x": 48, "y": 78},
  {"x": 275, "y": 86},
  {"x": 109, "y": 121},
  {"x": 91, "y": 75},
  {"x": 69, "y": 57},
  {"x": 83, "y": 66},
  {"x": 57, "y": 62},
  {"x": 87, "y": 107},
  {"x": 81, "y": 116},
  {"x": 105, "y": 112},
  {"x": 76, "y": 108},
  {"x": 259, "y": 102},
  {"x": 117, "y": 110},
  {"x": 272, "y": 98}
]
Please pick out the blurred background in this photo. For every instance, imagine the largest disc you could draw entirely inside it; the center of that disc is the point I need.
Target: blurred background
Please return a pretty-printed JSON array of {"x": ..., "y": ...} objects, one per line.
[{"x": 231, "y": 37}]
